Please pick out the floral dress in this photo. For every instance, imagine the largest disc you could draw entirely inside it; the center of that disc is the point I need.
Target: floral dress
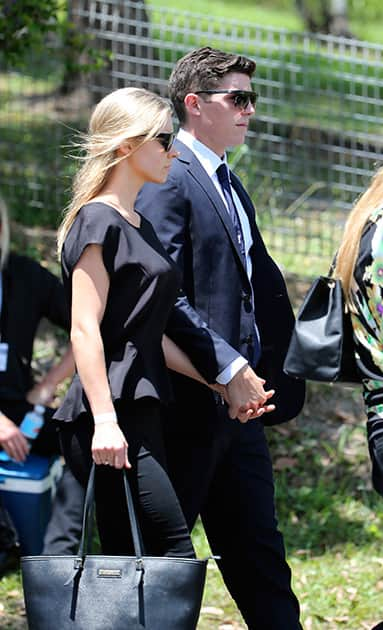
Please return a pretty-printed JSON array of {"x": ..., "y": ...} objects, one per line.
[{"x": 367, "y": 291}]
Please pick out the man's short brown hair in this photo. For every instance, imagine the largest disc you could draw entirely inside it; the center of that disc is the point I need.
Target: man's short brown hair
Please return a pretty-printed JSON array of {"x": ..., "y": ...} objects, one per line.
[{"x": 203, "y": 69}]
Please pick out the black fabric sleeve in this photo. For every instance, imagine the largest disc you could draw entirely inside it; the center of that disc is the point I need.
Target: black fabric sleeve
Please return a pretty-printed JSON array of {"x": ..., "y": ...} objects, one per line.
[{"x": 93, "y": 226}]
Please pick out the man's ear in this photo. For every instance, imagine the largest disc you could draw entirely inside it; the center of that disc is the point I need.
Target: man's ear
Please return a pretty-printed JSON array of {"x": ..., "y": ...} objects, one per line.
[{"x": 192, "y": 104}]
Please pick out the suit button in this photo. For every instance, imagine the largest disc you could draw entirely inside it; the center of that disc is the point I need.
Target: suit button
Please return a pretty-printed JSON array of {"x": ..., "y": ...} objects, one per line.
[
  {"x": 248, "y": 339},
  {"x": 247, "y": 305}
]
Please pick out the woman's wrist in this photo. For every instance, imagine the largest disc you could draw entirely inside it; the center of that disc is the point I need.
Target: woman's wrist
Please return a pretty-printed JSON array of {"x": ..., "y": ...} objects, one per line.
[{"x": 108, "y": 416}]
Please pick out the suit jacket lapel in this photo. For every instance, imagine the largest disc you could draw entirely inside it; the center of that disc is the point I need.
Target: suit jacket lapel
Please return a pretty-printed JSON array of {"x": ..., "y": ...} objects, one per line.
[{"x": 202, "y": 179}]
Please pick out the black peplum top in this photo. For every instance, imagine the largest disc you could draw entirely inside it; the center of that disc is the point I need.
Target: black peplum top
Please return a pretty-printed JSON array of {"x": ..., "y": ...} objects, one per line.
[{"x": 144, "y": 283}]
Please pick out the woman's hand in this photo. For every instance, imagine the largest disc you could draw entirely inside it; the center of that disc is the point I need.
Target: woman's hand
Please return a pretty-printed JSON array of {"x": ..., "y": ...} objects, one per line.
[{"x": 109, "y": 446}]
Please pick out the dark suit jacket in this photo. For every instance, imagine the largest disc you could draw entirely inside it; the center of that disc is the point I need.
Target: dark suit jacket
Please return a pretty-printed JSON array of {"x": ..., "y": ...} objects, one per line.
[{"x": 193, "y": 223}]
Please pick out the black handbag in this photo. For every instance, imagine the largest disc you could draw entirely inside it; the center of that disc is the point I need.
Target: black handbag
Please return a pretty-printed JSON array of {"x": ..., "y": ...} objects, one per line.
[
  {"x": 96, "y": 592},
  {"x": 321, "y": 346}
]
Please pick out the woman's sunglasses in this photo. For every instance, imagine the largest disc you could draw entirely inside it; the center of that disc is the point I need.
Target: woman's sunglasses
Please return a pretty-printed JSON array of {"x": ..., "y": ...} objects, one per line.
[
  {"x": 166, "y": 140},
  {"x": 240, "y": 98}
]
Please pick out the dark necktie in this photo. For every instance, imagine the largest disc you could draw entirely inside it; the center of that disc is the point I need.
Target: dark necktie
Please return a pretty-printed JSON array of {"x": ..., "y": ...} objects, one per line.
[
  {"x": 223, "y": 178},
  {"x": 253, "y": 347}
]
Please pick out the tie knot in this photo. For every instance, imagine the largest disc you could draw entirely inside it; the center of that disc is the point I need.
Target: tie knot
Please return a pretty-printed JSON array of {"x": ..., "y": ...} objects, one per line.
[{"x": 223, "y": 174}]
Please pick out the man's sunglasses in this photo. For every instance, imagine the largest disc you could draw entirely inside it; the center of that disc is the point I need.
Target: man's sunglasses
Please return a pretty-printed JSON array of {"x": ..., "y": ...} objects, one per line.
[
  {"x": 240, "y": 98},
  {"x": 166, "y": 140}
]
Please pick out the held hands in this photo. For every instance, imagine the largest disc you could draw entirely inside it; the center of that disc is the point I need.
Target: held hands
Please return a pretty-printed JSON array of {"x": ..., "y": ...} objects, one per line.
[
  {"x": 12, "y": 440},
  {"x": 246, "y": 396},
  {"x": 109, "y": 446}
]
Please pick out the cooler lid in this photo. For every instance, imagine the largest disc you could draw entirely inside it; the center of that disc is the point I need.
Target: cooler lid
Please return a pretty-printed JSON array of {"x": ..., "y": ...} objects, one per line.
[{"x": 34, "y": 467}]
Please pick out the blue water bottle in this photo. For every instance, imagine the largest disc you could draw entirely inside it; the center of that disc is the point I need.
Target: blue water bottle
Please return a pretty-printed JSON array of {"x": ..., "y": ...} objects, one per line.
[{"x": 32, "y": 422}]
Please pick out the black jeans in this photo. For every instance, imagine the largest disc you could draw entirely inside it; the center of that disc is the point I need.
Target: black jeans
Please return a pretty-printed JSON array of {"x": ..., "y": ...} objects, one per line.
[{"x": 162, "y": 522}]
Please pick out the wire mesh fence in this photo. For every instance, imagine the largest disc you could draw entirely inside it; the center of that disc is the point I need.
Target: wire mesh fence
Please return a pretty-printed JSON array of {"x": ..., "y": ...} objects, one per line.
[{"x": 315, "y": 140}]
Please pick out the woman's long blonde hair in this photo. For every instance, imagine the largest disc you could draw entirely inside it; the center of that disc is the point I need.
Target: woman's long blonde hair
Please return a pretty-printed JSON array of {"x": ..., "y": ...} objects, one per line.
[
  {"x": 5, "y": 235},
  {"x": 369, "y": 201},
  {"x": 124, "y": 114}
]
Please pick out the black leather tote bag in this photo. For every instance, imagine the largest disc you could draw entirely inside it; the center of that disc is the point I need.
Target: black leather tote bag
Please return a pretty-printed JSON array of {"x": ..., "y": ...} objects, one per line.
[
  {"x": 95, "y": 592},
  {"x": 321, "y": 346}
]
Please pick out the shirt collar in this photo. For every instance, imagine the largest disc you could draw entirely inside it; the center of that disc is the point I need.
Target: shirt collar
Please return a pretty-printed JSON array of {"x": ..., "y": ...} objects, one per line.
[{"x": 209, "y": 160}]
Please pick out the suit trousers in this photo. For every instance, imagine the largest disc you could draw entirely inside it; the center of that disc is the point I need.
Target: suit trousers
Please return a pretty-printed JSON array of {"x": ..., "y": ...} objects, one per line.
[{"x": 227, "y": 478}]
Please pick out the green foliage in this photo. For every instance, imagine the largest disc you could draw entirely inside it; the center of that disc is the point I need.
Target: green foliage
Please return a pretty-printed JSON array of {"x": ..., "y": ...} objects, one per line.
[
  {"x": 37, "y": 176},
  {"x": 365, "y": 10},
  {"x": 24, "y": 25}
]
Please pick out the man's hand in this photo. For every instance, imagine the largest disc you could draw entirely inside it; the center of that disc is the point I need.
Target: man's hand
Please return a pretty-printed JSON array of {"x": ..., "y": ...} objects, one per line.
[
  {"x": 246, "y": 395},
  {"x": 12, "y": 440}
]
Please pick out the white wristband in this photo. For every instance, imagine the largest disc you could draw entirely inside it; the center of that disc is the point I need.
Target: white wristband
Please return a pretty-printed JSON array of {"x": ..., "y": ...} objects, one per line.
[{"x": 109, "y": 416}]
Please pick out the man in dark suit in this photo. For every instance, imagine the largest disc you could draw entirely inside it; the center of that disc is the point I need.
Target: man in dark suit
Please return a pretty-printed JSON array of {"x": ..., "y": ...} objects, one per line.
[{"x": 235, "y": 298}]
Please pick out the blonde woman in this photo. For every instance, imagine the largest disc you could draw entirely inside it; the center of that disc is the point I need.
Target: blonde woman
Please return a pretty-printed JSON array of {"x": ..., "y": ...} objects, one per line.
[
  {"x": 360, "y": 267},
  {"x": 121, "y": 286}
]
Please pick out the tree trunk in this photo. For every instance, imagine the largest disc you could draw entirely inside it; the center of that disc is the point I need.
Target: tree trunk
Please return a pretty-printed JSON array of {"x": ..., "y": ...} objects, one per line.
[
  {"x": 124, "y": 34},
  {"x": 328, "y": 16},
  {"x": 339, "y": 19},
  {"x": 72, "y": 78}
]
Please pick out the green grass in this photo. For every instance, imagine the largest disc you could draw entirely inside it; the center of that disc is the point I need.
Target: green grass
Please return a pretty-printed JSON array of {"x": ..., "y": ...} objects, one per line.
[
  {"x": 247, "y": 11},
  {"x": 365, "y": 24}
]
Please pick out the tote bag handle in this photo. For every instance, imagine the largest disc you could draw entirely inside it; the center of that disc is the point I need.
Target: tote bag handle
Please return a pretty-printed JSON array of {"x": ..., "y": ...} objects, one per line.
[{"x": 87, "y": 519}]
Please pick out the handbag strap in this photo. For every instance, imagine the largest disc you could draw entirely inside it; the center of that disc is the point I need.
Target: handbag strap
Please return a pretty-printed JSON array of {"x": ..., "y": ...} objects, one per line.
[
  {"x": 87, "y": 519},
  {"x": 332, "y": 266},
  {"x": 134, "y": 526}
]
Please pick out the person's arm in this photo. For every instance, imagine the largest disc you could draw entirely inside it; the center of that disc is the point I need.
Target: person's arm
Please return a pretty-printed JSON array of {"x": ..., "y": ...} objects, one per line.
[
  {"x": 42, "y": 393},
  {"x": 178, "y": 361},
  {"x": 90, "y": 286}
]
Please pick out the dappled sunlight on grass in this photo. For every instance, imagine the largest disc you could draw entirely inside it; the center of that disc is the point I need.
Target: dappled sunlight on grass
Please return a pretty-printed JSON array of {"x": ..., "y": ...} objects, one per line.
[
  {"x": 341, "y": 589},
  {"x": 330, "y": 516}
]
